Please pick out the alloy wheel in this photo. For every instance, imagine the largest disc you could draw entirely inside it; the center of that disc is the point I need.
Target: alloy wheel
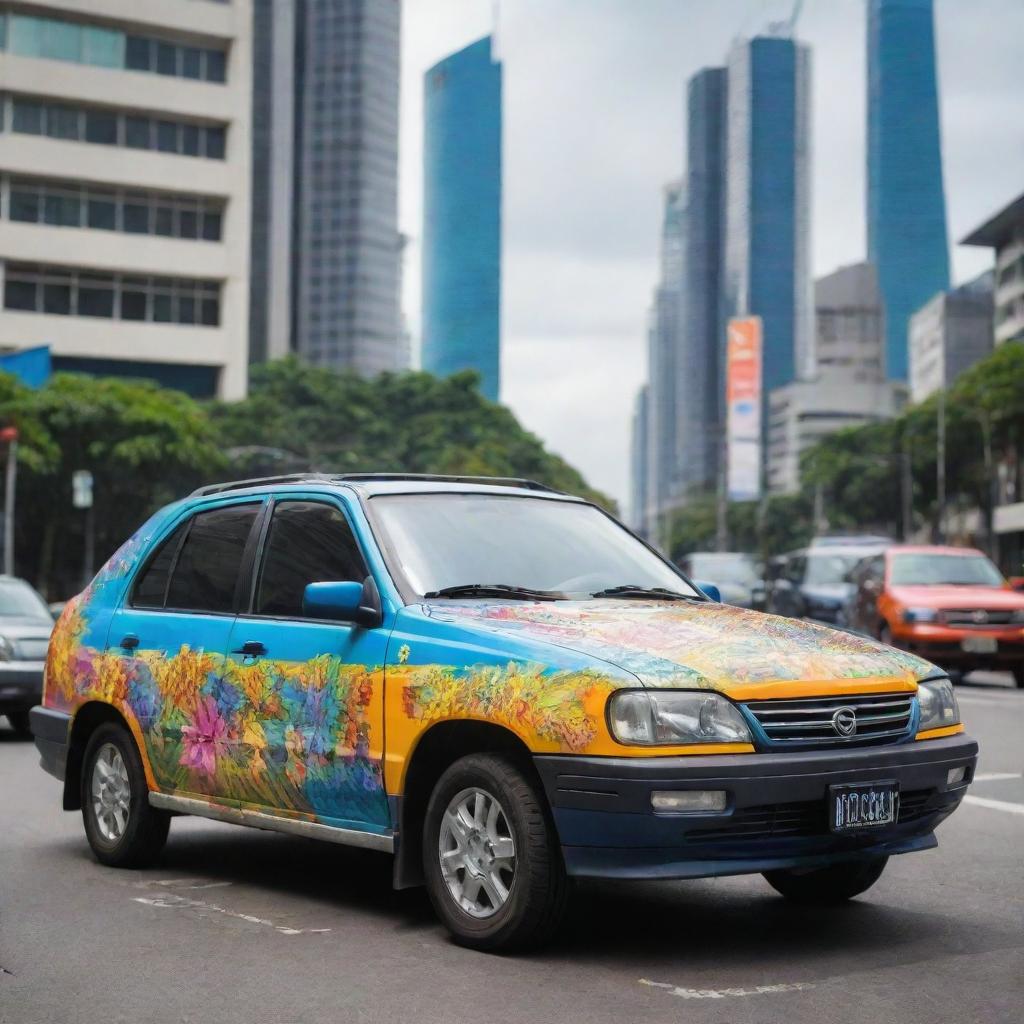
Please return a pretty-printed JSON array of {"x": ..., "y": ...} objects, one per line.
[{"x": 111, "y": 793}]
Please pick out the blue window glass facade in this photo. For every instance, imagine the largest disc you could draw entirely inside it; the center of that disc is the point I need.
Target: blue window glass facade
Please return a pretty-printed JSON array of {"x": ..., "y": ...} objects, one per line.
[
  {"x": 462, "y": 216},
  {"x": 907, "y": 237}
]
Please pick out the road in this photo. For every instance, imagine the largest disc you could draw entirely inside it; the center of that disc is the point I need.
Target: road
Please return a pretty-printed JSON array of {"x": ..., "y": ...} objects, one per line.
[{"x": 242, "y": 926}]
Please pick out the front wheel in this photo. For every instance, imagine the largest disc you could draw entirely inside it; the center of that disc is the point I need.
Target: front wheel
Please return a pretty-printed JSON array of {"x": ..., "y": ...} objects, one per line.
[
  {"x": 833, "y": 884},
  {"x": 491, "y": 859},
  {"x": 122, "y": 829}
]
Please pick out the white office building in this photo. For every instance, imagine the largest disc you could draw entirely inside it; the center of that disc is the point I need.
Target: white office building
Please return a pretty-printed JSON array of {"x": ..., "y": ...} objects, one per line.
[
  {"x": 950, "y": 334},
  {"x": 124, "y": 187}
]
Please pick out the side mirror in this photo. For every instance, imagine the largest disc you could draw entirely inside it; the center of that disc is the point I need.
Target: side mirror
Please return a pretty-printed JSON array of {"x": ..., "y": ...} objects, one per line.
[
  {"x": 343, "y": 601},
  {"x": 710, "y": 590}
]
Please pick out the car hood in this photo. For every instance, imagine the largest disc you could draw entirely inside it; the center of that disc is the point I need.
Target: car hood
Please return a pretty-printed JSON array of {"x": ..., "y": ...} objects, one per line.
[
  {"x": 948, "y": 595},
  {"x": 694, "y": 644}
]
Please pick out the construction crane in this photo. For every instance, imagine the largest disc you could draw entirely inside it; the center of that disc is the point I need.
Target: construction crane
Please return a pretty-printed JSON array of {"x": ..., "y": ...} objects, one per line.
[{"x": 787, "y": 27}]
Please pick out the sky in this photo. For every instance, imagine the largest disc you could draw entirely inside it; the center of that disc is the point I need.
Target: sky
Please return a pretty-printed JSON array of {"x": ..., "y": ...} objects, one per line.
[{"x": 594, "y": 128}]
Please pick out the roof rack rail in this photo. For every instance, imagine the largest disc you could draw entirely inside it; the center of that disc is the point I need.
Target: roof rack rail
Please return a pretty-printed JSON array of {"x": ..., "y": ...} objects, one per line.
[{"x": 291, "y": 478}]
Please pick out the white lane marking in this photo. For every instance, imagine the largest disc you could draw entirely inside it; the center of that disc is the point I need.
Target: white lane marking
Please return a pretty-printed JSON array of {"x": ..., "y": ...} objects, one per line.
[
  {"x": 989, "y": 700},
  {"x": 723, "y": 993},
  {"x": 169, "y": 900},
  {"x": 182, "y": 883},
  {"x": 995, "y": 805},
  {"x": 995, "y": 776}
]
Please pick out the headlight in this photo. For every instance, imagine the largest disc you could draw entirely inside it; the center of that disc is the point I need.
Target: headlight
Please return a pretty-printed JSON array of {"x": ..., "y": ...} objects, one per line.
[
  {"x": 652, "y": 717},
  {"x": 6, "y": 649},
  {"x": 920, "y": 615},
  {"x": 938, "y": 705}
]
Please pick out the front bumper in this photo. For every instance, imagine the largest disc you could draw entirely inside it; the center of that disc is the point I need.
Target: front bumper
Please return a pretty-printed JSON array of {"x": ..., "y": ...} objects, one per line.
[
  {"x": 944, "y": 647},
  {"x": 21, "y": 685},
  {"x": 776, "y": 815}
]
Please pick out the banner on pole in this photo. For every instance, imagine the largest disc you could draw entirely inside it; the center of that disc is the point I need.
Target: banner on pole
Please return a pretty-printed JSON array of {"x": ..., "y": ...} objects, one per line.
[{"x": 743, "y": 408}]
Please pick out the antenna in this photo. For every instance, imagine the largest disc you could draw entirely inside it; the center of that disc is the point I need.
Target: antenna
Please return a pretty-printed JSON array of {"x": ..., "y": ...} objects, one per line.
[
  {"x": 496, "y": 31},
  {"x": 788, "y": 27}
]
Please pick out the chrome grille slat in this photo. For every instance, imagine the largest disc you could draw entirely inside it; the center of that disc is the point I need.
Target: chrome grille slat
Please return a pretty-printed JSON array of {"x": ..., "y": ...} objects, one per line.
[{"x": 807, "y": 721}]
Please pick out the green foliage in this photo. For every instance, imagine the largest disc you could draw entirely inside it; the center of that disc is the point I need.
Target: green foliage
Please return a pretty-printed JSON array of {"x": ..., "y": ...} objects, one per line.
[
  {"x": 299, "y": 417},
  {"x": 146, "y": 446}
]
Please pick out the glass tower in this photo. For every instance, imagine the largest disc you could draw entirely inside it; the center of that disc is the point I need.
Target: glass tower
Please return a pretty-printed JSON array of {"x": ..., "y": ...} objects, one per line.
[
  {"x": 767, "y": 240},
  {"x": 462, "y": 216},
  {"x": 907, "y": 238}
]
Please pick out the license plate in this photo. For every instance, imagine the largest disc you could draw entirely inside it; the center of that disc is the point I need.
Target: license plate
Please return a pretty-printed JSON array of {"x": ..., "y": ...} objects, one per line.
[
  {"x": 863, "y": 805},
  {"x": 980, "y": 644}
]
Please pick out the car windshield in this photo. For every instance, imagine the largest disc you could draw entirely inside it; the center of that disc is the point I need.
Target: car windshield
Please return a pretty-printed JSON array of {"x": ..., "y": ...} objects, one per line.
[
  {"x": 923, "y": 569},
  {"x": 829, "y": 568},
  {"x": 723, "y": 567},
  {"x": 455, "y": 540},
  {"x": 19, "y": 601}
]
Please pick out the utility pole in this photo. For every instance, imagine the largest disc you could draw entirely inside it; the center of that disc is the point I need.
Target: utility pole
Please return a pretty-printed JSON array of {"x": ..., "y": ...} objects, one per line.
[
  {"x": 722, "y": 504},
  {"x": 81, "y": 497},
  {"x": 906, "y": 486},
  {"x": 10, "y": 435},
  {"x": 940, "y": 467}
]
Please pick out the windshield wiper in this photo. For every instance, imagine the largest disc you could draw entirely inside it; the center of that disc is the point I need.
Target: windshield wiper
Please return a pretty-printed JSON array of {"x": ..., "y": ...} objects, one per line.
[
  {"x": 494, "y": 590},
  {"x": 632, "y": 590}
]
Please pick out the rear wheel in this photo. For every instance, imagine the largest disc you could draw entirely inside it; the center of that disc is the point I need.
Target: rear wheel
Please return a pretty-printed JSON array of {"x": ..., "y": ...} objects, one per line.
[
  {"x": 491, "y": 859},
  {"x": 20, "y": 723},
  {"x": 833, "y": 884},
  {"x": 122, "y": 829}
]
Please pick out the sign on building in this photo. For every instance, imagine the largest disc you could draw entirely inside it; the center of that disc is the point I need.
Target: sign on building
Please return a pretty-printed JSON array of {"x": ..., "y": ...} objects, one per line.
[{"x": 743, "y": 408}]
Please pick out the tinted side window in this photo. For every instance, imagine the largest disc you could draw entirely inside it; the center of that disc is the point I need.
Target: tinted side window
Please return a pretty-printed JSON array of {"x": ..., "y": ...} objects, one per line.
[
  {"x": 308, "y": 542},
  {"x": 151, "y": 586},
  {"x": 207, "y": 571}
]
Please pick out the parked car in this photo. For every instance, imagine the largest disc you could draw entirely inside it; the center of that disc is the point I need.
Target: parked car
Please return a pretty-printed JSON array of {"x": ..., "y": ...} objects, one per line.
[
  {"x": 25, "y": 627},
  {"x": 814, "y": 582},
  {"x": 734, "y": 573},
  {"x": 494, "y": 682},
  {"x": 948, "y": 604}
]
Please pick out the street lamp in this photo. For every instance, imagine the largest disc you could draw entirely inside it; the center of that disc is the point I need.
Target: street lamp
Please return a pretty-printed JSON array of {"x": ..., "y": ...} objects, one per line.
[{"x": 10, "y": 436}]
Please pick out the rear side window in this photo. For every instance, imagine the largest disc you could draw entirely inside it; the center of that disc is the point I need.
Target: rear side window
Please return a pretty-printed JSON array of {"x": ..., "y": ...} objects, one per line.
[
  {"x": 207, "y": 568},
  {"x": 308, "y": 542},
  {"x": 151, "y": 586}
]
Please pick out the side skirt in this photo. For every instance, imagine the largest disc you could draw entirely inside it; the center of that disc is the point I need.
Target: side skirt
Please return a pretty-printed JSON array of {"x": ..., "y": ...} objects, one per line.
[{"x": 272, "y": 823}]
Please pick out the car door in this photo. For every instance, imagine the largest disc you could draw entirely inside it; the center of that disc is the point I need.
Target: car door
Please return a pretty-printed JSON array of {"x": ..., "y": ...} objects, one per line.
[
  {"x": 170, "y": 638},
  {"x": 311, "y": 691}
]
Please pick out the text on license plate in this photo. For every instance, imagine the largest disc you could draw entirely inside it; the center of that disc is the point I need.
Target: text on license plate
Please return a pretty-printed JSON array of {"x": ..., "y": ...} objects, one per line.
[
  {"x": 980, "y": 644},
  {"x": 863, "y": 805}
]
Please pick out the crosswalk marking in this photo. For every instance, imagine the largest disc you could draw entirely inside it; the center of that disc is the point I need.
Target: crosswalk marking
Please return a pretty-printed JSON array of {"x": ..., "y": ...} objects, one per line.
[{"x": 995, "y": 805}]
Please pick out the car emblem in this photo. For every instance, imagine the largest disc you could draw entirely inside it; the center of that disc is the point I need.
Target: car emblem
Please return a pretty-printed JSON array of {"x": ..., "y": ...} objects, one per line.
[
  {"x": 844, "y": 721},
  {"x": 979, "y": 616}
]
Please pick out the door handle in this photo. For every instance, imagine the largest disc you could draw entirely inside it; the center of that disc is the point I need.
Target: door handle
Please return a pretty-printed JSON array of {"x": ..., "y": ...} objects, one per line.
[
  {"x": 251, "y": 649},
  {"x": 129, "y": 642}
]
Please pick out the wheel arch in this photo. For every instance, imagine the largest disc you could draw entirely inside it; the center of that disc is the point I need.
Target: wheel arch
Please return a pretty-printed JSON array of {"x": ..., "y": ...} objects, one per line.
[
  {"x": 437, "y": 748},
  {"x": 88, "y": 718}
]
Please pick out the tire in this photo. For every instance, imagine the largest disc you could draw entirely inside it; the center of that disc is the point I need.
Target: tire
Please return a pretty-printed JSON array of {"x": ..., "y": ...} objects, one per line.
[
  {"x": 834, "y": 884},
  {"x": 20, "y": 724},
  {"x": 536, "y": 886},
  {"x": 134, "y": 836},
  {"x": 1018, "y": 676}
]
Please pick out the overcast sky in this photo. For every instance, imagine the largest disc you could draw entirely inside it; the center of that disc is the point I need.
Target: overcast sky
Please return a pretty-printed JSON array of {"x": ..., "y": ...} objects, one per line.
[{"x": 594, "y": 128}]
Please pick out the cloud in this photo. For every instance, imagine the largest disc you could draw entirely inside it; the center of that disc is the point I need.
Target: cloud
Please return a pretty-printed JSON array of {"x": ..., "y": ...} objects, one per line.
[{"x": 594, "y": 128}]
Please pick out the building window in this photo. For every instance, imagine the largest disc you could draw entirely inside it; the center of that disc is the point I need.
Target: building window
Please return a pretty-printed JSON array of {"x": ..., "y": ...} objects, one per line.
[
  {"x": 61, "y": 291},
  {"x": 66, "y": 204},
  {"x": 111, "y": 128},
  {"x": 60, "y": 39}
]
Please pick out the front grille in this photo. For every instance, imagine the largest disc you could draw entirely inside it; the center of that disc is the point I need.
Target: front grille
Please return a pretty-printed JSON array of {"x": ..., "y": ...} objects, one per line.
[
  {"x": 808, "y": 721},
  {"x": 977, "y": 618},
  {"x": 803, "y": 820}
]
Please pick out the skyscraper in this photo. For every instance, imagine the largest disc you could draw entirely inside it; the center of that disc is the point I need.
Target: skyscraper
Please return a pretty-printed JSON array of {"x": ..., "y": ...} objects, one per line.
[
  {"x": 767, "y": 231},
  {"x": 702, "y": 333},
  {"x": 665, "y": 368},
  {"x": 326, "y": 249},
  {"x": 462, "y": 216},
  {"x": 907, "y": 238}
]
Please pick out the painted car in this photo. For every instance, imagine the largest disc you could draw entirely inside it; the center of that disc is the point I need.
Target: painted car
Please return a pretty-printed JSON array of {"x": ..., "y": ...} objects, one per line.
[
  {"x": 945, "y": 603},
  {"x": 497, "y": 683}
]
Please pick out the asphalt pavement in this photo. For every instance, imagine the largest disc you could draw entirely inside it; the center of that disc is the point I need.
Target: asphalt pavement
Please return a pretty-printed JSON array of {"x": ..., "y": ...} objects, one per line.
[{"x": 243, "y": 926}]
